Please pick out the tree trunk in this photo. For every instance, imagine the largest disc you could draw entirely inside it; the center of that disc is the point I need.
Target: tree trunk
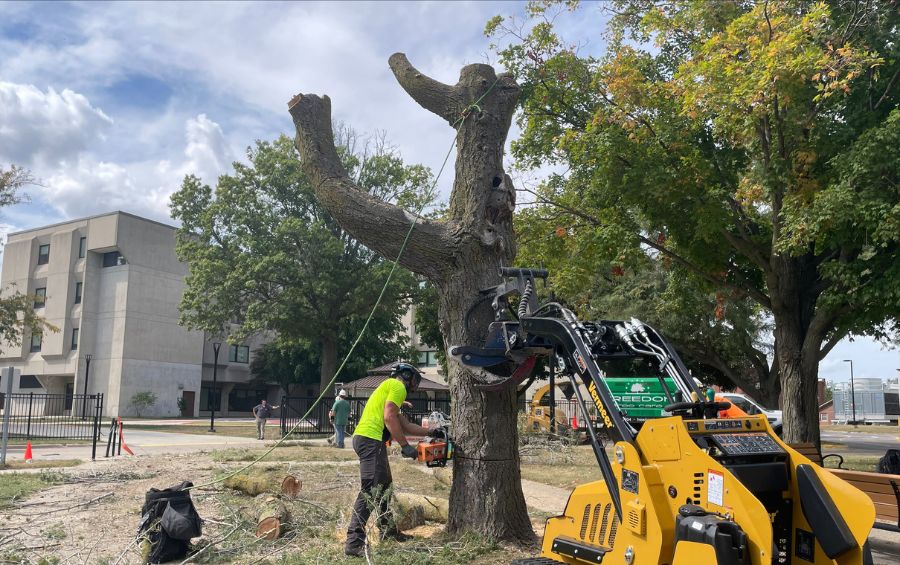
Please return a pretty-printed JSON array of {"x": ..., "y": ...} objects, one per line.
[
  {"x": 461, "y": 256},
  {"x": 328, "y": 361},
  {"x": 799, "y": 332}
]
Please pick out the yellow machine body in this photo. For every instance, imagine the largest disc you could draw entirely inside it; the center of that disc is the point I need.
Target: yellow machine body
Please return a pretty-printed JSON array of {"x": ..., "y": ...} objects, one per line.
[
  {"x": 539, "y": 415},
  {"x": 666, "y": 469}
]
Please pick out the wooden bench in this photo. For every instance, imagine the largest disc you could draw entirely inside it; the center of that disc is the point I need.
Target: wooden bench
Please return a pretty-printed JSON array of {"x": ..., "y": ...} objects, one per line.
[
  {"x": 883, "y": 489},
  {"x": 811, "y": 452}
]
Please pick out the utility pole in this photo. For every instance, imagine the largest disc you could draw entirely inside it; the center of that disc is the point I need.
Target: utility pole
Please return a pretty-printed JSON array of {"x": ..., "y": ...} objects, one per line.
[
  {"x": 4, "y": 439},
  {"x": 852, "y": 391},
  {"x": 215, "y": 397}
]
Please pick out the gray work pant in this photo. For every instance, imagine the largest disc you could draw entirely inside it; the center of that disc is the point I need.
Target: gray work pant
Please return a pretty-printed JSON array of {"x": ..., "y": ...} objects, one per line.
[
  {"x": 375, "y": 483},
  {"x": 261, "y": 428}
]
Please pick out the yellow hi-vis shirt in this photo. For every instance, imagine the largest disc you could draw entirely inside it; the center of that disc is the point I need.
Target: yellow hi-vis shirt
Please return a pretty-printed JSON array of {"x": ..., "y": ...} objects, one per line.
[{"x": 371, "y": 423}]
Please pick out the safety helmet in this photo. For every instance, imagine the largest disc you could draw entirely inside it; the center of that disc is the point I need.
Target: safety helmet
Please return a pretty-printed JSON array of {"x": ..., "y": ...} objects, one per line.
[
  {"x": 342, "y": 393},
  {"x": 407, "y": 373}
]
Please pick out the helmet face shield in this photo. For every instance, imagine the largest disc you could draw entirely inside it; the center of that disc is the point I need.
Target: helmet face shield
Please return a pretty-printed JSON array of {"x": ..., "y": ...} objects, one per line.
[{"x": 408, "y": 374}]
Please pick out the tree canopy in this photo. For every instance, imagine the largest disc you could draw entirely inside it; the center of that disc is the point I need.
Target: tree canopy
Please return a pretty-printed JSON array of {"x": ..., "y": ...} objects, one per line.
[
  {"x": 17, "y": 314},
  {"x": 264, "y": 255},
  {"x": 754, "y": 145}
]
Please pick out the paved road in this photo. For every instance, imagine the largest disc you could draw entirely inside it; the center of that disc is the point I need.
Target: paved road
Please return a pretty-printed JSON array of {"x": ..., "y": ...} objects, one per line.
[
  {"x": 862, "y": 443},
  {"x": 142, "y": 442}
]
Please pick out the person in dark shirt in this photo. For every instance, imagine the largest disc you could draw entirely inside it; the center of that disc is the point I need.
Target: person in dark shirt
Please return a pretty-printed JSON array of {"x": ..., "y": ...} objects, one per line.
[{"x": 262, "y": 412}]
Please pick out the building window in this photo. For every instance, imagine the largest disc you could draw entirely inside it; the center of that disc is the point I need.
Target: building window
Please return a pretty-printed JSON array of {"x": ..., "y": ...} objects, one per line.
[
  {"x": 823, "y": 417},
  {"x": 243, "y": 400},
  {"x": 36, "y": 339},
  {"x": 40, "y": 297},
  {"x": 239, "y": 354},
  {"x": 44, "y": 254},
  {"x": 74, "y": 339},
  {"x": 427, "y": 358},
  {"x": 78, "y": 287},
  {"x": 112, "y": 259},
  {"x": 29, "y": 381},
  {"x": 207, "y": 398},
  {"x": 82, "y": 247}
]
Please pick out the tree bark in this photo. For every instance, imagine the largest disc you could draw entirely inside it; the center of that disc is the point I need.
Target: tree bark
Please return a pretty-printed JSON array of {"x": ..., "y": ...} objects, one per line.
[
  {"x": 800, "y": 329},
  {"x": 461, "y": 256}
]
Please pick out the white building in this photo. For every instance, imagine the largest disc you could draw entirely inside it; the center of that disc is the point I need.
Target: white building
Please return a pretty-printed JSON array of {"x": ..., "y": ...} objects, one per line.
[{"x": 112, "y": 284}]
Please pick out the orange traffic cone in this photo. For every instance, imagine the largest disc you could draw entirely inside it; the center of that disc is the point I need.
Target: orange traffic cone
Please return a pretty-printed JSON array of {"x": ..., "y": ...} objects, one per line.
[{"x": 28, "y": 456}]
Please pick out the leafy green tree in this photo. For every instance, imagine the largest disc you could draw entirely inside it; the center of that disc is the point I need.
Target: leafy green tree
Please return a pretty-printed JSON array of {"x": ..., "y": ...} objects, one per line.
[
  {"x": 266, "y": 256},
  {"x": 723, "y": 339},
  {"x": 756, "y": 145},
  {"x": 427, "y": 322},
  {"x": 16, "y": 308}
]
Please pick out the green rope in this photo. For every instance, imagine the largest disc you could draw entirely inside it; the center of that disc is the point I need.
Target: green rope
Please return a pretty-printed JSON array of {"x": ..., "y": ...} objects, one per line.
[{"x": 456, "y": 125}]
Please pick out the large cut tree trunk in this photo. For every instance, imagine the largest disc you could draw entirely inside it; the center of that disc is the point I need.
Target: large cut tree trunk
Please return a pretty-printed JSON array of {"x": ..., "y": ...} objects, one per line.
[{"x": 460, "y": 256}]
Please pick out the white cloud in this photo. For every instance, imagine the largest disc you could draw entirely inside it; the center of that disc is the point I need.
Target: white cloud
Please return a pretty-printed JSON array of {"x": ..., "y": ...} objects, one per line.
[
  {"x": 46, "y": 127},
  {"x": 89, "y": 186},
  {"x": 206, "y": 151}
]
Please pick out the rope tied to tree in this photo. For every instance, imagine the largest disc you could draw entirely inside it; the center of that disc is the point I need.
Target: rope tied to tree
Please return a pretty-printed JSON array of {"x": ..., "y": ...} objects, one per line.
[{"x": 394, "y": 263}]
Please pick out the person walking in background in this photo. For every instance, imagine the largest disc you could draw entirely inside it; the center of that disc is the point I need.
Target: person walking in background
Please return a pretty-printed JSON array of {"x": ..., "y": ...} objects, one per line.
[
  {"x": 262, "y": 412},
  {"x": 340, "y": 414}
]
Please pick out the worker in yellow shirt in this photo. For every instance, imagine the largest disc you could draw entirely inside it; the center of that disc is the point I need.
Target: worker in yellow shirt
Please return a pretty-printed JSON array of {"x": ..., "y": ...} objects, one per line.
[{"x": 381, "y": 420}]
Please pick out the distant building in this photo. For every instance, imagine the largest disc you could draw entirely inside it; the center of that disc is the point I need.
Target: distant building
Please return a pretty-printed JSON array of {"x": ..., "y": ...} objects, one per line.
[
  {"x": 427, "y": 355},
  {"x": 112, "y": 284},
  {"x": 826, "y": 413}
]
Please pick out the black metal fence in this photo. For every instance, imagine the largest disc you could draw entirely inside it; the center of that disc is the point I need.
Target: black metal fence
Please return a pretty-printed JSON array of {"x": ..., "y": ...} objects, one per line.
[
  {"x": 53, "y": 416},
  {"x": 316, "y": 423}
]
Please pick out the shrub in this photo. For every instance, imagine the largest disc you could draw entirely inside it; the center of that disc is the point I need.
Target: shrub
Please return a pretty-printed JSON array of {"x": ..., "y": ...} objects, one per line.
[{"x": 142, "y": 400}]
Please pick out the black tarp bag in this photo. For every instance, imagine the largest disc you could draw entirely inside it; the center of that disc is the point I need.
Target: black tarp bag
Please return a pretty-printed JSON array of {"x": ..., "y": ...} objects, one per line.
[
  {"x": 890, "y": 463},
  {"x": 168, "y": 522}
]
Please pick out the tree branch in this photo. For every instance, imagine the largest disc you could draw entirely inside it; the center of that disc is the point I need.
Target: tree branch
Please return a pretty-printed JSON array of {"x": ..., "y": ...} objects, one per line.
[
  {"x": 380, "y": 226},
  {"x": 437, "y": 97}
]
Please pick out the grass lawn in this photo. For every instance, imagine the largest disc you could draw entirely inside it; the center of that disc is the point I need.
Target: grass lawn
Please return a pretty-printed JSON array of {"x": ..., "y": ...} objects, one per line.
[
  {"x": 238, "y": 429},
  {"x": 871, "y": 429},
  {"x": 16, "y": 486},
  {"x": 567, "y": 467},
  {"x": 51, "y": 441},
  {"x": 45, "y": 464}
]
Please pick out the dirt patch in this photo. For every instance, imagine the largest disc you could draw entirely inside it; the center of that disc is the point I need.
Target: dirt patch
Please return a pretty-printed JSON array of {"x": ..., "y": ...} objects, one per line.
[{"x": 92, "y": 516}]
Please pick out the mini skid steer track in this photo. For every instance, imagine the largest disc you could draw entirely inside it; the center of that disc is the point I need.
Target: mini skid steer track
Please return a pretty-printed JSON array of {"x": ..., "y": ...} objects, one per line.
[{"x": 687, "y": 489}]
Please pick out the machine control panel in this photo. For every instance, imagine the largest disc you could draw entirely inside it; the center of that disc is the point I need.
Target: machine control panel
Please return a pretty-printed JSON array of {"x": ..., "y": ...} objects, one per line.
[
  {"x": 746, "y": 444},
  {"x": 723, "y": 425}
]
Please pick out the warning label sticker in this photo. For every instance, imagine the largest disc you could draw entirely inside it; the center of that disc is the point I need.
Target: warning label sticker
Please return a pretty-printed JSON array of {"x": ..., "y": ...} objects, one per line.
[{"x": 715, "y": 487}]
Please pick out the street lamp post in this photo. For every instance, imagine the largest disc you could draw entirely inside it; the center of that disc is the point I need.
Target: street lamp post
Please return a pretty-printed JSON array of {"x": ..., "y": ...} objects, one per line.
[
  {"x": 87, "y": 374},
  {"x": 214, "y": 400},
  {"x": 852, "y": 390}
]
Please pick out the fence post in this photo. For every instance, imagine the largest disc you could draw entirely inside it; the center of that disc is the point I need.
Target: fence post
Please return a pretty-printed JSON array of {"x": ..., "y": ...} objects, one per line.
[
  {"x": 6, "y": 409},
  {"x": 30, "y": 403},
  {"x": 95, "y": 426},
  {"x": 282, "y": 415}
]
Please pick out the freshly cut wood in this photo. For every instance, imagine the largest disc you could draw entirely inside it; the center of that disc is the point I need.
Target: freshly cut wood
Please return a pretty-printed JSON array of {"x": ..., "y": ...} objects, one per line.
[
  {"x": 444, "y": 476},
  {"x": 407, "y": 518},
  {"x": 434, "y": 509},
  {"x": 273, "y": 520},
  {"x": 250, "y": 485},
  {"x": 290, "y": 486}
]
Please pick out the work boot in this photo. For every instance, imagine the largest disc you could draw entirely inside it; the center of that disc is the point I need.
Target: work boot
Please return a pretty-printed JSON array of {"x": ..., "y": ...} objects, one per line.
[
  {"x": 355, "y": 551},
  {"x": 395, "y": 535}
]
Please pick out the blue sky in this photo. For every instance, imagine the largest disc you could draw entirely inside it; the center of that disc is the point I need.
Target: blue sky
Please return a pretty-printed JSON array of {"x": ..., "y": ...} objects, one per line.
[{"x": 111, "y": 104}]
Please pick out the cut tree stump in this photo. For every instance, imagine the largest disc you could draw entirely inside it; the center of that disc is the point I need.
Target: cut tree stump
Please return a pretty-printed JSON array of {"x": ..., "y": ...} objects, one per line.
[
  {"x": 273, "y": 520},
  {"x": 432, "y": 508},
  {"x": 290, "y": 486}
]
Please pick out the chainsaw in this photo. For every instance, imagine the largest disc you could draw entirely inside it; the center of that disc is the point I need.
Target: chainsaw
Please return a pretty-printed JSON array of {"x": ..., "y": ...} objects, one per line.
[{"x": 436, "y": 450}]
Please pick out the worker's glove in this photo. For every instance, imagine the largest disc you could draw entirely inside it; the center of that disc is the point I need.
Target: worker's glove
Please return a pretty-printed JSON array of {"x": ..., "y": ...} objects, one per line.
[{"x": 409, "y": 451}]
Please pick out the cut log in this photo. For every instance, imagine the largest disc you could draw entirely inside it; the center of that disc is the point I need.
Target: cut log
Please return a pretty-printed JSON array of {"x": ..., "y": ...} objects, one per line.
[
  {"x": 250, "y": 485},
  {"x": 433, "y": 509},
  {"x": 444, "y": 476},
  {"x": 290, "y": 486},
  {"x": 273, "y": 520}
]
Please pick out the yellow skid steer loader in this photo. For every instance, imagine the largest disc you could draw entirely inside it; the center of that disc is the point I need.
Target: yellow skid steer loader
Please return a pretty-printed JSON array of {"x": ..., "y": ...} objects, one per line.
[{"x": 689, "y": 489}]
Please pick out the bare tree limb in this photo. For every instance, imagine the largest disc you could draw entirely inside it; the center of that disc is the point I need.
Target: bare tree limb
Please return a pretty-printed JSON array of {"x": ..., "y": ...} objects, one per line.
[{"x": 379, "y": 225}]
